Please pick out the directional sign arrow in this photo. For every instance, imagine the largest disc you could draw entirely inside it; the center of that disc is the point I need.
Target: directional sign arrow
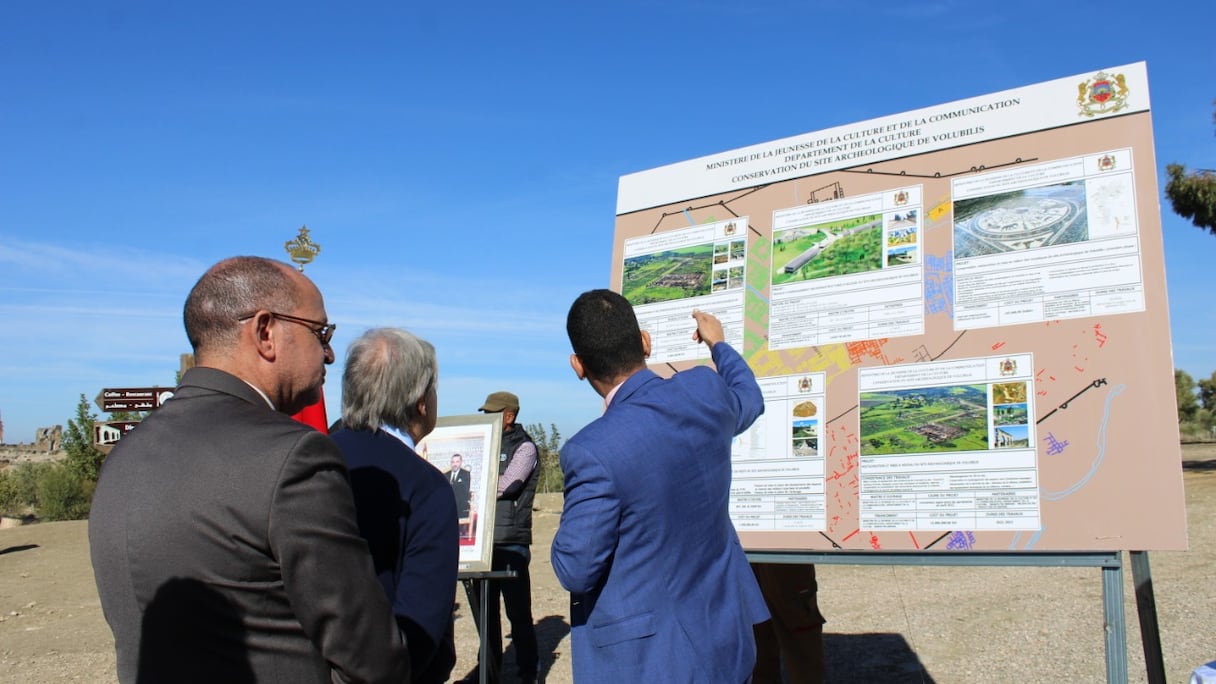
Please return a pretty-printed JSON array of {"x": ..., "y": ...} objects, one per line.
[{"x": 132, "y": 398}]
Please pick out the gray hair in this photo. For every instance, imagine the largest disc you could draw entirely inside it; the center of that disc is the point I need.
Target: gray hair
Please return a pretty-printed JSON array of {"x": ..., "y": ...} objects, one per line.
[
  {"x": 233, "y": 288},
  {"x": 388, "y": 370}
]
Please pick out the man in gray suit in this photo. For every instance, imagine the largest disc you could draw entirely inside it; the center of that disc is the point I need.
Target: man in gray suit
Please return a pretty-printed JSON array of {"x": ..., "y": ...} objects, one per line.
[{"x": 223, "y": 532}]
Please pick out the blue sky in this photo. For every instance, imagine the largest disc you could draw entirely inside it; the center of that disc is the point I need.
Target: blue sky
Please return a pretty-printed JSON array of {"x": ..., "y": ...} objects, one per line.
[{"x": 458, "y": 163}]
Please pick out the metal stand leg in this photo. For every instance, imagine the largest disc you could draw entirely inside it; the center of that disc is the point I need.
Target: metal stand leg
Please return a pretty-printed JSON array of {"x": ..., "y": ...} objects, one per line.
[
  {"x": 1146, "y": 607},
  {"x": 484, "y": 633},
  {"x": 1116, "y": 628}
]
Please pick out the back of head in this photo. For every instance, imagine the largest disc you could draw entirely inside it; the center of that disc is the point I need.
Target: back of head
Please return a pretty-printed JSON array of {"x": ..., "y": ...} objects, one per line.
[
  {"x": 604, "y": 333},
  {"x": 388, "y": 371},
  {"x": 231, "y": 289}
]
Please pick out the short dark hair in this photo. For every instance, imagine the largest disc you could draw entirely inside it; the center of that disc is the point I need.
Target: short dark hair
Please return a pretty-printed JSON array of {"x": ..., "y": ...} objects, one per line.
[
  {"x": 233, "y": 288},
  {"x": 605, "y": 335}
]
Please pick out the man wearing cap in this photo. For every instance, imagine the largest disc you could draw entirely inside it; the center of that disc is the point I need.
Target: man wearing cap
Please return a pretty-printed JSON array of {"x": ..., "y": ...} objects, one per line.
[{"x": 517, "y": 474}]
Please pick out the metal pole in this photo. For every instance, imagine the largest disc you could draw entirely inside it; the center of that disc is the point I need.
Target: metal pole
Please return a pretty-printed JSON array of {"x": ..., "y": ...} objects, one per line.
[
  {"x": 1146, "y": 608},
  {"x": 483, "y": 653},
  {"x": 1114, "y": 624}
]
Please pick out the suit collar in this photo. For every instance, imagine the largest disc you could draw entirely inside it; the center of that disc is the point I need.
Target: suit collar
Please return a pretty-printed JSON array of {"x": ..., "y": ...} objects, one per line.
[
  {"x": 632, "y": 384},
  {"x": 216, "y": 380}
]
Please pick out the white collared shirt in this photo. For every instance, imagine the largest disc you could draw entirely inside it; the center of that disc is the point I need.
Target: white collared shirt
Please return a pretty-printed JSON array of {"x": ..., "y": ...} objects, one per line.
[
  {"x": 261, "y": 394},
  {"x": 612, "y": 393},
  {"x": 403, "y": 436}
]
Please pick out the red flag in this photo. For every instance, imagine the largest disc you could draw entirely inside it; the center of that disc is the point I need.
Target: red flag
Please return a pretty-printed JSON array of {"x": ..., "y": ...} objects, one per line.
[{"x": 314, "y": 415}]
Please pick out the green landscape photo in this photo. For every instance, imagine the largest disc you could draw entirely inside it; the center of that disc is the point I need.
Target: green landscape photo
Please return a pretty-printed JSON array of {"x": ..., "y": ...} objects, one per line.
[
  {"x": 924, "y": 419},
  {"x": 671, "y": 274},
  {"x": 824, "y": 250},
  {"x": 1010, "y": 414}
]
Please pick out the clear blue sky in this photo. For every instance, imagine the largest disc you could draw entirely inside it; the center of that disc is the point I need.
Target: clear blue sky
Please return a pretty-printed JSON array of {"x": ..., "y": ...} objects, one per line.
[{"x": 458, "y": 163}]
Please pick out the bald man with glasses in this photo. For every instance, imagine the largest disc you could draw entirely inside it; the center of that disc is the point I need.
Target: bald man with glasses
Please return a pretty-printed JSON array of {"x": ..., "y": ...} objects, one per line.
[{"x": 223, "y": 533}]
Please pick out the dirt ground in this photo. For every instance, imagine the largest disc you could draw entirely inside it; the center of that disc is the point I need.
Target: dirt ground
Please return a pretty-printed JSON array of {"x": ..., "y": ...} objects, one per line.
[{"x": 885, "y": 623}]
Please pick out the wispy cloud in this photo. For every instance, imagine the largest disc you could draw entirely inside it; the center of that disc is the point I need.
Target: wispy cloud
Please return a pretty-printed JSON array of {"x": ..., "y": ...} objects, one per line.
[{"x": 98, "y": 263}]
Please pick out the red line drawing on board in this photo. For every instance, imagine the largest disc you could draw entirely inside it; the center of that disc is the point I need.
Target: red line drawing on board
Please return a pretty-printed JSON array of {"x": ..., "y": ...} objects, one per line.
[
  {"x": 1099, "y": 335},
  {"x": 870, "y": 348}
]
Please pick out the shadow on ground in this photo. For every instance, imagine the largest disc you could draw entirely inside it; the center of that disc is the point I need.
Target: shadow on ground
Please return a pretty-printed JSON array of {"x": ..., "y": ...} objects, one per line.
[
  {"x": 550, "y": 630},
  {"x": 886, "y": 658},
  {"x": 15, "y": 549}
]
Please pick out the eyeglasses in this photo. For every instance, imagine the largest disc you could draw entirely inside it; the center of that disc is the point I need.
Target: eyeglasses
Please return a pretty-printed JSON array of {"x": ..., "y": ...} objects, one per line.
[{"x": 325, "y": 333}]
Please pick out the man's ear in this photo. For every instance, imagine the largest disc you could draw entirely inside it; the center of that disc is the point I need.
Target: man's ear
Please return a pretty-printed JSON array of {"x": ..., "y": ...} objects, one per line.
[
  {"x": 421, "y": 406},
  {"x": 645, "y": 344},
  {"x": 265, "y": 335},
  {"x": 577, "y": 365}
]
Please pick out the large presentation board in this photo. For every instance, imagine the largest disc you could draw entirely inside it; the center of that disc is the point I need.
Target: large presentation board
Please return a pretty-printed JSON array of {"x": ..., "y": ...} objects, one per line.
[{"x": 957, "y": 316}]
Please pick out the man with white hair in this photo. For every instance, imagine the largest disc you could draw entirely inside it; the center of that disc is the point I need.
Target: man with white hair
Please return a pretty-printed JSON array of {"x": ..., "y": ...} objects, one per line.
[{"x": 405, "y": 507}]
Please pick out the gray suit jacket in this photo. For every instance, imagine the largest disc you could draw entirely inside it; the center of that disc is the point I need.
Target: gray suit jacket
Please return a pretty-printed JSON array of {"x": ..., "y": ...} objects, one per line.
[{"x": 225, "y": 548}]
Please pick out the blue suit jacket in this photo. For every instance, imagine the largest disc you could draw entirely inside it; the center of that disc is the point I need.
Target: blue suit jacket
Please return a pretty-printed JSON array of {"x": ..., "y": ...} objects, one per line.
[
  {"x": 407, "y": 514},
  {"x": 660, "y": 588}
]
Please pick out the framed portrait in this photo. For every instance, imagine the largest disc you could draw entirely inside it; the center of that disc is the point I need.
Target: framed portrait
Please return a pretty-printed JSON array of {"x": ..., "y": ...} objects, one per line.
[{"x": 465, "y": 449}]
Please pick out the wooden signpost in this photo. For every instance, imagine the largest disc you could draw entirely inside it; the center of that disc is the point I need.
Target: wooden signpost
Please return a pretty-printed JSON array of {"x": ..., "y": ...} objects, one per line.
[{"x": 127, "y": 400}]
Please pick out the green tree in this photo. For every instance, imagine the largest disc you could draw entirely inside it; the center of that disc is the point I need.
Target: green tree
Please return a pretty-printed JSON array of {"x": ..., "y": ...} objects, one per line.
[
  {"x": 548, "y": 447},
  {"x": 1207, "y": 393},
  {"x": 80, "y": 455},
  {"x": 1188, "y": 402},
  {"x": 1193, "y": 194}
]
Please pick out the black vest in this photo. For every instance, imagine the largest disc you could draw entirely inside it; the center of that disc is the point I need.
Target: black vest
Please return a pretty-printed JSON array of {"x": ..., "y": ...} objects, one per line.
[{"x": 513, "y": 517}]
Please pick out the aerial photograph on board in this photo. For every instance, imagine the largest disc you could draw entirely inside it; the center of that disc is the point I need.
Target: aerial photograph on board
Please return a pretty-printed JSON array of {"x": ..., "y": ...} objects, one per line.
[
  {"x": 1019, "y": 220},
  {"x": 667, "y": 275},
  {"x": 924, "y": 419},
  {"x": 828, "y": 249}
]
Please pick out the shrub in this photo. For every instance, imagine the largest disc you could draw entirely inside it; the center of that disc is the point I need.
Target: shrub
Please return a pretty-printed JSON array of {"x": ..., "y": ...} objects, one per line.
[
  {"x": 19, "y": 487},
  {"x": 8, "y": 494},
  {"x": 63, "y": 494}
]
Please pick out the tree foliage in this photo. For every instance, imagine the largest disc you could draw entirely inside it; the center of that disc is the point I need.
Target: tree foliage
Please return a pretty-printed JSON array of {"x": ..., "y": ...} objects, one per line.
[
  {"x": 1196, "y": 407},
  {"x": 1184, "y": 388},
  {"x": 80, "y": 455},
  {"x": 1193, "y": 194},
  {"x": 1207, "y": 393},
  {"x": 549, "y": 445},
  {"x": 64, "y": 494},
  {"x": 19, "y": 488}
]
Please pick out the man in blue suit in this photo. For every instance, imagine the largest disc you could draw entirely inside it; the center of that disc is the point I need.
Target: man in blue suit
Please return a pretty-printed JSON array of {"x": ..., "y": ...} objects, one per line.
[
  {"x": 404, "y": 505},
  {"x": 660, "y": 589}
]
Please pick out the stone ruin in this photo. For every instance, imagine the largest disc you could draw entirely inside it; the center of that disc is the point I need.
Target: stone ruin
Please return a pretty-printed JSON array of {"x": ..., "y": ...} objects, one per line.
[
  {"x": 48, "y": 438},
  {"x": 48, "y": 443}
]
